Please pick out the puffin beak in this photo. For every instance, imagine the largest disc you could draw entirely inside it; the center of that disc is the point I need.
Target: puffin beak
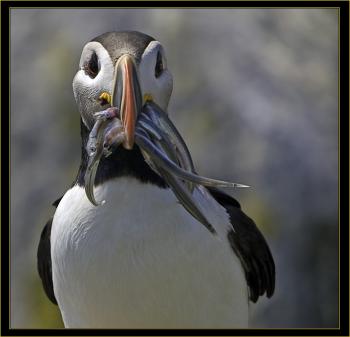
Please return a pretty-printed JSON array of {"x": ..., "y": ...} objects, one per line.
[{"x": 127, "y": 97}]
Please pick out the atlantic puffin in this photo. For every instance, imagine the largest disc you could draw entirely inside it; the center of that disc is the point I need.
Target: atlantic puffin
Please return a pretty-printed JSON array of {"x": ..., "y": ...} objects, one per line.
[{"x": 141, "y": 258}]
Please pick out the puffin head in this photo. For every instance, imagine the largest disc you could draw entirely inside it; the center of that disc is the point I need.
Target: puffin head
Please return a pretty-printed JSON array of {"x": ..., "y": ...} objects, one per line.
[{"x": 125, "y": 70}]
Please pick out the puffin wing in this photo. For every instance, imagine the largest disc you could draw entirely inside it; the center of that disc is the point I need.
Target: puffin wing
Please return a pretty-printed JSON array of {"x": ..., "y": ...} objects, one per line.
[
  {"x": 250, "y": 246},
  {"x": 44, "y": 259}
]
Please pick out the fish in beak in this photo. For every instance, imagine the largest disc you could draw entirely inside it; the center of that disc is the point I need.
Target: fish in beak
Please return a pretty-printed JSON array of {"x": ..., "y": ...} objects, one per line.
[
  {"x": 127, "y": 96},
  {"x": 128, "y": 122}
]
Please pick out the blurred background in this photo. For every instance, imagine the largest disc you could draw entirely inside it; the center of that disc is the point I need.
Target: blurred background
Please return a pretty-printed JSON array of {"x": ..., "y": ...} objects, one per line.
[{"x": 255, "y": 98}]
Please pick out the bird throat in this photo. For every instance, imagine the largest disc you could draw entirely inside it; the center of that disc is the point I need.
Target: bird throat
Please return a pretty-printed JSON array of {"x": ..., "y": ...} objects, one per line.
[{"x": 121, "y": 163}]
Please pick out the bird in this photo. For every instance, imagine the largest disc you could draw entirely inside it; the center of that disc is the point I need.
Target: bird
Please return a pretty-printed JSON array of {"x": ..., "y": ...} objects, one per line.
[{"x": 140, "y": 259}]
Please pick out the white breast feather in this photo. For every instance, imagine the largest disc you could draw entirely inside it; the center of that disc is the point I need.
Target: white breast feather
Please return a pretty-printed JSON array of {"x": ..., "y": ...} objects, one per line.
[{"x": 141, "y": 261}]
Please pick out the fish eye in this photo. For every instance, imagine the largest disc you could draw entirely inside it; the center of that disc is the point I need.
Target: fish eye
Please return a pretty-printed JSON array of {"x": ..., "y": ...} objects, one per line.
[
  {"x": 159, "y": 65},
  {"x": 91, "y": 66}
]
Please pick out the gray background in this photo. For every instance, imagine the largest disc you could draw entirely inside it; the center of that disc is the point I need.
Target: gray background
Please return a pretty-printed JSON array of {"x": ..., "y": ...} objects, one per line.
[{"x": 255, "y": 98}]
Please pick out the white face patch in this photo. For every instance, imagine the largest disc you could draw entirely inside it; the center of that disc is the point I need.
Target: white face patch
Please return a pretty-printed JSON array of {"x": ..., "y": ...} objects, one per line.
[
  {"x": 160, "y": 88},
  {"x": 86, "y": 89},
  {"x": 155, "y": 81}
]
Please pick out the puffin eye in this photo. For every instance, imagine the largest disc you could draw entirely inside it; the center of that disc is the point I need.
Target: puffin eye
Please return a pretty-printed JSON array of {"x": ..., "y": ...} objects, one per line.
[
  {"x": 159, "y": 65},
  {"x": 91, "y": 66}
]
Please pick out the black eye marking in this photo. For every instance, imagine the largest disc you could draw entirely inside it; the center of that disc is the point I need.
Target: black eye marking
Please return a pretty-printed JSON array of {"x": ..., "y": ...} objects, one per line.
[
  {"x": 91, "y": 66},
  {"x": 159, "y": 65}
]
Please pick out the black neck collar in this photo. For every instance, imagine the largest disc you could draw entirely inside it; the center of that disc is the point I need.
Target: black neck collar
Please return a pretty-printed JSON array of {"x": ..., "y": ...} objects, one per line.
[{"x": 120, "y": 163}]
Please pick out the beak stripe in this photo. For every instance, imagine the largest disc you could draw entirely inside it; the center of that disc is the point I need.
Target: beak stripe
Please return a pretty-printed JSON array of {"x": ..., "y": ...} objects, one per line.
[{"x": 129, "y": 104}]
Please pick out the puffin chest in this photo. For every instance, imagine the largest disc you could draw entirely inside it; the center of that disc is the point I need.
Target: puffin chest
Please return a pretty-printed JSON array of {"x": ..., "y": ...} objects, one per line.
[
  {"x": 134, "y": 254},
  {"x": 133, "y": 218}
]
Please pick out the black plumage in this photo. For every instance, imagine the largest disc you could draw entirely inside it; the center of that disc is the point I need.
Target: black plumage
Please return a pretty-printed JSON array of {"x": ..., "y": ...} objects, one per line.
[
  {"x": 250, "y": 246},
  {"x": 44, "y": 264},
  {"x": 44, "y": 261},
  {"x": 116, "y": 42}
]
